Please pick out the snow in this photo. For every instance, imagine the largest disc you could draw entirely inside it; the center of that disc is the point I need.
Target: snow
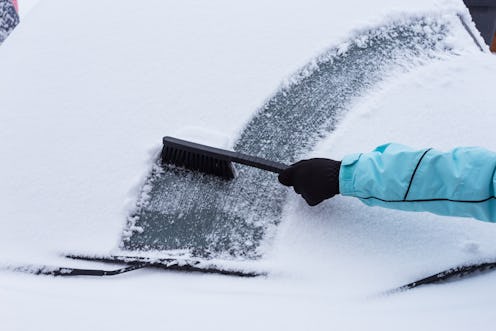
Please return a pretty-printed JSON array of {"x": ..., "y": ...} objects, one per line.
[
  {"x": 25, "y": 6},
  {"x": 88, "y": 90}
]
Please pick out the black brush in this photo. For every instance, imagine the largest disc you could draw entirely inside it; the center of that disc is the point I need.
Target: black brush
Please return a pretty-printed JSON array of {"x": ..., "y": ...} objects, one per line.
[{"x": 210, "y": 160}]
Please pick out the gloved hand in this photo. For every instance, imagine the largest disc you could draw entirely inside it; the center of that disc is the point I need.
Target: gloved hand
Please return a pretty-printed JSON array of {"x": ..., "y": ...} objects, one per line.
[{"x": 315, "y": 179}]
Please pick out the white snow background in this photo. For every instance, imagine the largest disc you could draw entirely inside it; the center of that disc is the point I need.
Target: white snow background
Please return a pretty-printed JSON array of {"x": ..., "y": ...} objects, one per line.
[{"x": 87, "y": 90}]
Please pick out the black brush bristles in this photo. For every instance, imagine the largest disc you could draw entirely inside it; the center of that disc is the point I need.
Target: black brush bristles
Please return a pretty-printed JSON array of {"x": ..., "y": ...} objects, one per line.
[{"x": 197, "y": 158}]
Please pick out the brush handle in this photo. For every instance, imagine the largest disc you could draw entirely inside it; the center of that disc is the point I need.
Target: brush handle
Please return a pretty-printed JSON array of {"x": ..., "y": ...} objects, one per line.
[
  {"x": 225, "y": 155},
  {"x": 258, "y": 162}
]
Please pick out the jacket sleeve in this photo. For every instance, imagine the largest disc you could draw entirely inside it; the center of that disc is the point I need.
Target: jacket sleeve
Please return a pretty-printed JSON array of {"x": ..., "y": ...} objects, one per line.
[{"x": 456, "y": 183}]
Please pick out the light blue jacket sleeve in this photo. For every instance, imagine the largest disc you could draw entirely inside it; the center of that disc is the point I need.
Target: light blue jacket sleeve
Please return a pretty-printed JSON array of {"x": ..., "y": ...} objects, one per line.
[{"x": 460, "y": 182}]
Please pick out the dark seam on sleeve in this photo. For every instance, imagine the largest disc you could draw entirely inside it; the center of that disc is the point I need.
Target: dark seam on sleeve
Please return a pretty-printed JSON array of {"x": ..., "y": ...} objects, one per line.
[
  {"x": 429, "y": 200},
  {"x": 413, "y": 174}
]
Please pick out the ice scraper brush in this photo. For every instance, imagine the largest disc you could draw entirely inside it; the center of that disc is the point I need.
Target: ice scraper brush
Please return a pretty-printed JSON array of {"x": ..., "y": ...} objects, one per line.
[{"x": 210, "y": 160}]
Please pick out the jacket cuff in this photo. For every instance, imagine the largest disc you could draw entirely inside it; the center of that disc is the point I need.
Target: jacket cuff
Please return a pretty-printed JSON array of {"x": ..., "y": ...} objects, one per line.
[{"x": 347, "y": 174}]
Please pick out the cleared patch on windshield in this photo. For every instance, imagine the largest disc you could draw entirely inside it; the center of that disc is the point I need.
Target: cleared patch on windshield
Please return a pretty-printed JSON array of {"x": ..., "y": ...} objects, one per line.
[{"x": 191, "y": 214}]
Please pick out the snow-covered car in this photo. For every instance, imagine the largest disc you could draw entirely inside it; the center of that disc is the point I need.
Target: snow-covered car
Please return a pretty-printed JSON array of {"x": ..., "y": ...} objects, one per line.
[{"x": 89, "y": 90}]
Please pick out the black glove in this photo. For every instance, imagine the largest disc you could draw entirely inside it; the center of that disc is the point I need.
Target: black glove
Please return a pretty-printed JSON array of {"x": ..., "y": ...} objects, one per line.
[{"x": 315, "y": 179}]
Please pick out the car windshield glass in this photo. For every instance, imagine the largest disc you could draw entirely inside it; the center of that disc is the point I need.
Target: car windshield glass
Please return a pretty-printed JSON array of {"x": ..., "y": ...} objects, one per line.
[{"x": 187, "y": 213}]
